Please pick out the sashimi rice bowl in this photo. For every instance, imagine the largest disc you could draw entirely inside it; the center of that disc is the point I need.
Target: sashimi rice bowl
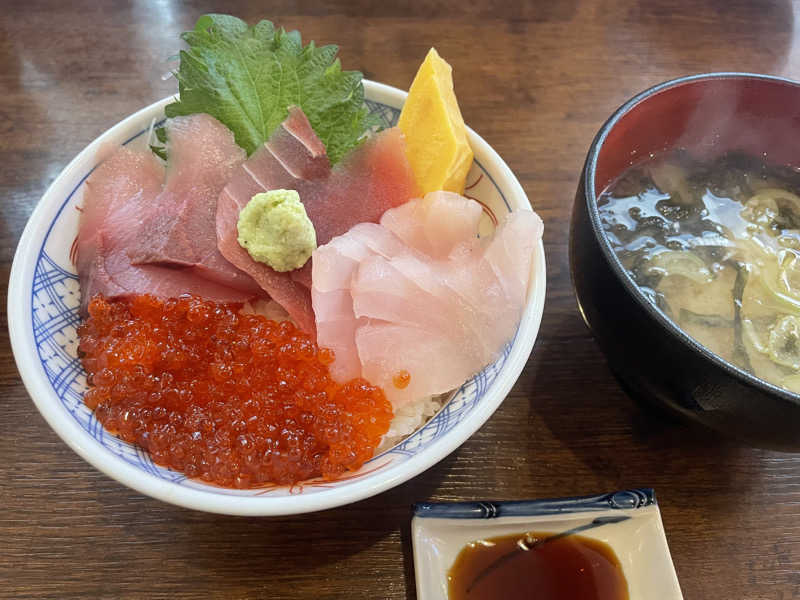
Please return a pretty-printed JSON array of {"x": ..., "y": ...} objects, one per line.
[{"x": 281, "y": 293}]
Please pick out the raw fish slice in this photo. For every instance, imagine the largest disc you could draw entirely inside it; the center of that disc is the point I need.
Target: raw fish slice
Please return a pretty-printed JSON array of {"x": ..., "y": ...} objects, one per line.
[
  {"x": 371, "y": 179},
  {"x": 242, "y": 185},
  {"x": 292, "y": 296},
  {"x": 436, "y": 363},
  {"x": 333, "y": 268},
  {"x": 92, "y": 274},
  {"x": 479, "y": 292},
  {"x": 182, "y": 233},
  {"x": 214, "y": 267},
  {"x": 338, "y": 325},
  {"x": 391, "y": 291},
  {"x": 302, "y": 275},
  {"x": 378, "y": 240},
  {"x": 441, "y": 319},
  {"x": 510, "y": 252},
  {"x": 119, "y": 195},
  {"x": 336, "y": 305},
  {"x": 202, "y": 156},
  {"x": 106, "y": 200},
  {"x": 112, "y": 200},
  {"x": 380, "y": 291},
  {"x": 491, "y": 281},
  {"x": 424, "y": 275},
  {"x": 163, "y": 282},
  {"x": 335, "y": 263},
  {"x": 298, "y": 148},
  {"x": 436, "y": 224},
  {"x": 368, "y": 181}
]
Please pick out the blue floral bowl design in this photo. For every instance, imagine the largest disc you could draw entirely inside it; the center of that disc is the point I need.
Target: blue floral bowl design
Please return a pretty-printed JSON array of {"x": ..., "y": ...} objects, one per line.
[{"x": 43, "y": 317}]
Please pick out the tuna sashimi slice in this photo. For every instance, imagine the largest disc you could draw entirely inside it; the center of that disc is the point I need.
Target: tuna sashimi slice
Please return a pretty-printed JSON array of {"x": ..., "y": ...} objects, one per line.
[
  {"x": 182, "y": 231},
  {"x": 119, "y": 196},
  {"x": 440, "y": 307},
  {"x": 371, "y": 179},
  {"x": 112, "y": 200},
  {"x": 367, "y": 182}
]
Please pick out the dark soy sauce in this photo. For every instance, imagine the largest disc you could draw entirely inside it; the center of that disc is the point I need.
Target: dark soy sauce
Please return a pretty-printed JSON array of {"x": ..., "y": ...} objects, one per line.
[{"x": 537, "y": 565}]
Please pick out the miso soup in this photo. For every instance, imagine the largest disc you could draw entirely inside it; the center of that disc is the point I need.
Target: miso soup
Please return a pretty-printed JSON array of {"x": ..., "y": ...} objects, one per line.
[{"x": 716, "y": 246}]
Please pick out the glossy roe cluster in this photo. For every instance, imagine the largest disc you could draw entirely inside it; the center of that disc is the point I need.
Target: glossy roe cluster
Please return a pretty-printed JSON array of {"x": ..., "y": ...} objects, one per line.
[{"x": 237, "y": 400}]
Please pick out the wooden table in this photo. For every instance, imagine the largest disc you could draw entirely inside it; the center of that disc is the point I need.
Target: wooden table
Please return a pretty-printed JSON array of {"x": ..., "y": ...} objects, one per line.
[{"x": 536, "y": 80}]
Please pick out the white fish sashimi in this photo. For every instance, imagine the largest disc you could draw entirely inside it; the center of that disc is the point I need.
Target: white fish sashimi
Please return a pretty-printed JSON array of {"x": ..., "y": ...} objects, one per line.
[
  {"x": 421, "y": 293},
  {"x": 435, "y": 224},
  {"x": 382, "y": 291},
  {"x": 435, "y": 362},
  {"x": 510, "y": 254}
]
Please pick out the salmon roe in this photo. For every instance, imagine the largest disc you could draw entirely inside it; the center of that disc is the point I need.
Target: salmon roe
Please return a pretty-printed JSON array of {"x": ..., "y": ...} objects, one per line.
[
  {"x": 401, "y": 379},
  {"x": 236, "y": 400}
]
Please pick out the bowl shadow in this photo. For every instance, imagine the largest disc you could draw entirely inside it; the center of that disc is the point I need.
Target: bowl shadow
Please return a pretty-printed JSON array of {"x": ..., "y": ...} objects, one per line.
[{"x": 611, "y": 440}]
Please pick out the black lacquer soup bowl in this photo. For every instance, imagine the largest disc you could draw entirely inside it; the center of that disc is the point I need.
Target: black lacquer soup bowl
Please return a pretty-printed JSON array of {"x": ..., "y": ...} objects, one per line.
[{"x": 707, "y": 115}]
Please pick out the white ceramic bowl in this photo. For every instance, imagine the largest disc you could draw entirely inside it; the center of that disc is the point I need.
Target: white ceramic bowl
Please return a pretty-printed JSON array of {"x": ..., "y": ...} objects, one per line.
[{"x": 43, "y": 315}]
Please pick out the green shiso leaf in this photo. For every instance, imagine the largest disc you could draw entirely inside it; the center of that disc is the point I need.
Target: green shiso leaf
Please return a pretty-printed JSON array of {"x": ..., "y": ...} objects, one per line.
[
  {"x": 160, "y": 148},
  {"x": 159, "y": 151},
  {"x": 248, "y": 77}
]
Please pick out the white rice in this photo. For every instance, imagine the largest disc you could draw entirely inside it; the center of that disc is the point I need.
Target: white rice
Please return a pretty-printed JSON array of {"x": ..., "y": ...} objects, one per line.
[
  {"x": 407, "y": 419},
  {"x": 266, "y": 308},
  {"x": 410, "y": 417}
]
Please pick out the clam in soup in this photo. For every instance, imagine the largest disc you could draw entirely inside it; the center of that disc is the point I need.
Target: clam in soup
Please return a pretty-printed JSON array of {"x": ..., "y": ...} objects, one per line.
[{"x": 716, "y": 246}]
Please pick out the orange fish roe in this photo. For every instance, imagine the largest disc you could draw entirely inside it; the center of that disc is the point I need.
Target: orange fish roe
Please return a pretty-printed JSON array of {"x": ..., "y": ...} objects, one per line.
[
  {"x": 401, "y": 379},
  {"x": 237, "y": 400}
]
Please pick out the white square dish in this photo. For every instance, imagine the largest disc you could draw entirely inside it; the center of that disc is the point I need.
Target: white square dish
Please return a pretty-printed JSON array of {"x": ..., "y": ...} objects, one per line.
[{"x": 440, "y": 530}]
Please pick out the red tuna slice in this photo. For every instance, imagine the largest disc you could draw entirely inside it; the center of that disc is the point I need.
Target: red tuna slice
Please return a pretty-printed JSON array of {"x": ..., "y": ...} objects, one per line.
[
  {"x": 374, "y": 177},
  {"x": 120, "y": 195},
  {"x": 182, "y": 232}
]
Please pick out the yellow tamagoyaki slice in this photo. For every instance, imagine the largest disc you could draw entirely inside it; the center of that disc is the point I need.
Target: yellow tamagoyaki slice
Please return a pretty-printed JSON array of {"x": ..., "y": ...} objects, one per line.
[{"x": 436, "y": 137}]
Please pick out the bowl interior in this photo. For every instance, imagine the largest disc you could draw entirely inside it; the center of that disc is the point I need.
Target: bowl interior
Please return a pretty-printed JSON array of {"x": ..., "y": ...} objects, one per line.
[
  {"x": 43, "y": 317},
  {"x": 707, "y": 115}
]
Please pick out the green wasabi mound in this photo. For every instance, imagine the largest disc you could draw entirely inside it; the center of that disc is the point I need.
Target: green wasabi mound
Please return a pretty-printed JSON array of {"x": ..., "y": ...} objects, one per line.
[{"x": 275, "y": 230}]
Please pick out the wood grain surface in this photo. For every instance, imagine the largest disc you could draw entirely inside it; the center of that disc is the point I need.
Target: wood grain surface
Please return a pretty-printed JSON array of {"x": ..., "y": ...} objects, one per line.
[{"x": 536, "y": 80}]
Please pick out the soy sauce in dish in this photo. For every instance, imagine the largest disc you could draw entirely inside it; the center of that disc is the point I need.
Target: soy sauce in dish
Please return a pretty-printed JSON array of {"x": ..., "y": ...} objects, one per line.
[{"x": 537, "y": 565}]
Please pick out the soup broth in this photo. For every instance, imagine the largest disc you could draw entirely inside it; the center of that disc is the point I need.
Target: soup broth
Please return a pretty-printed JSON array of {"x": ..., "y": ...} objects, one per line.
[{"x": 716, "y": 246}]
